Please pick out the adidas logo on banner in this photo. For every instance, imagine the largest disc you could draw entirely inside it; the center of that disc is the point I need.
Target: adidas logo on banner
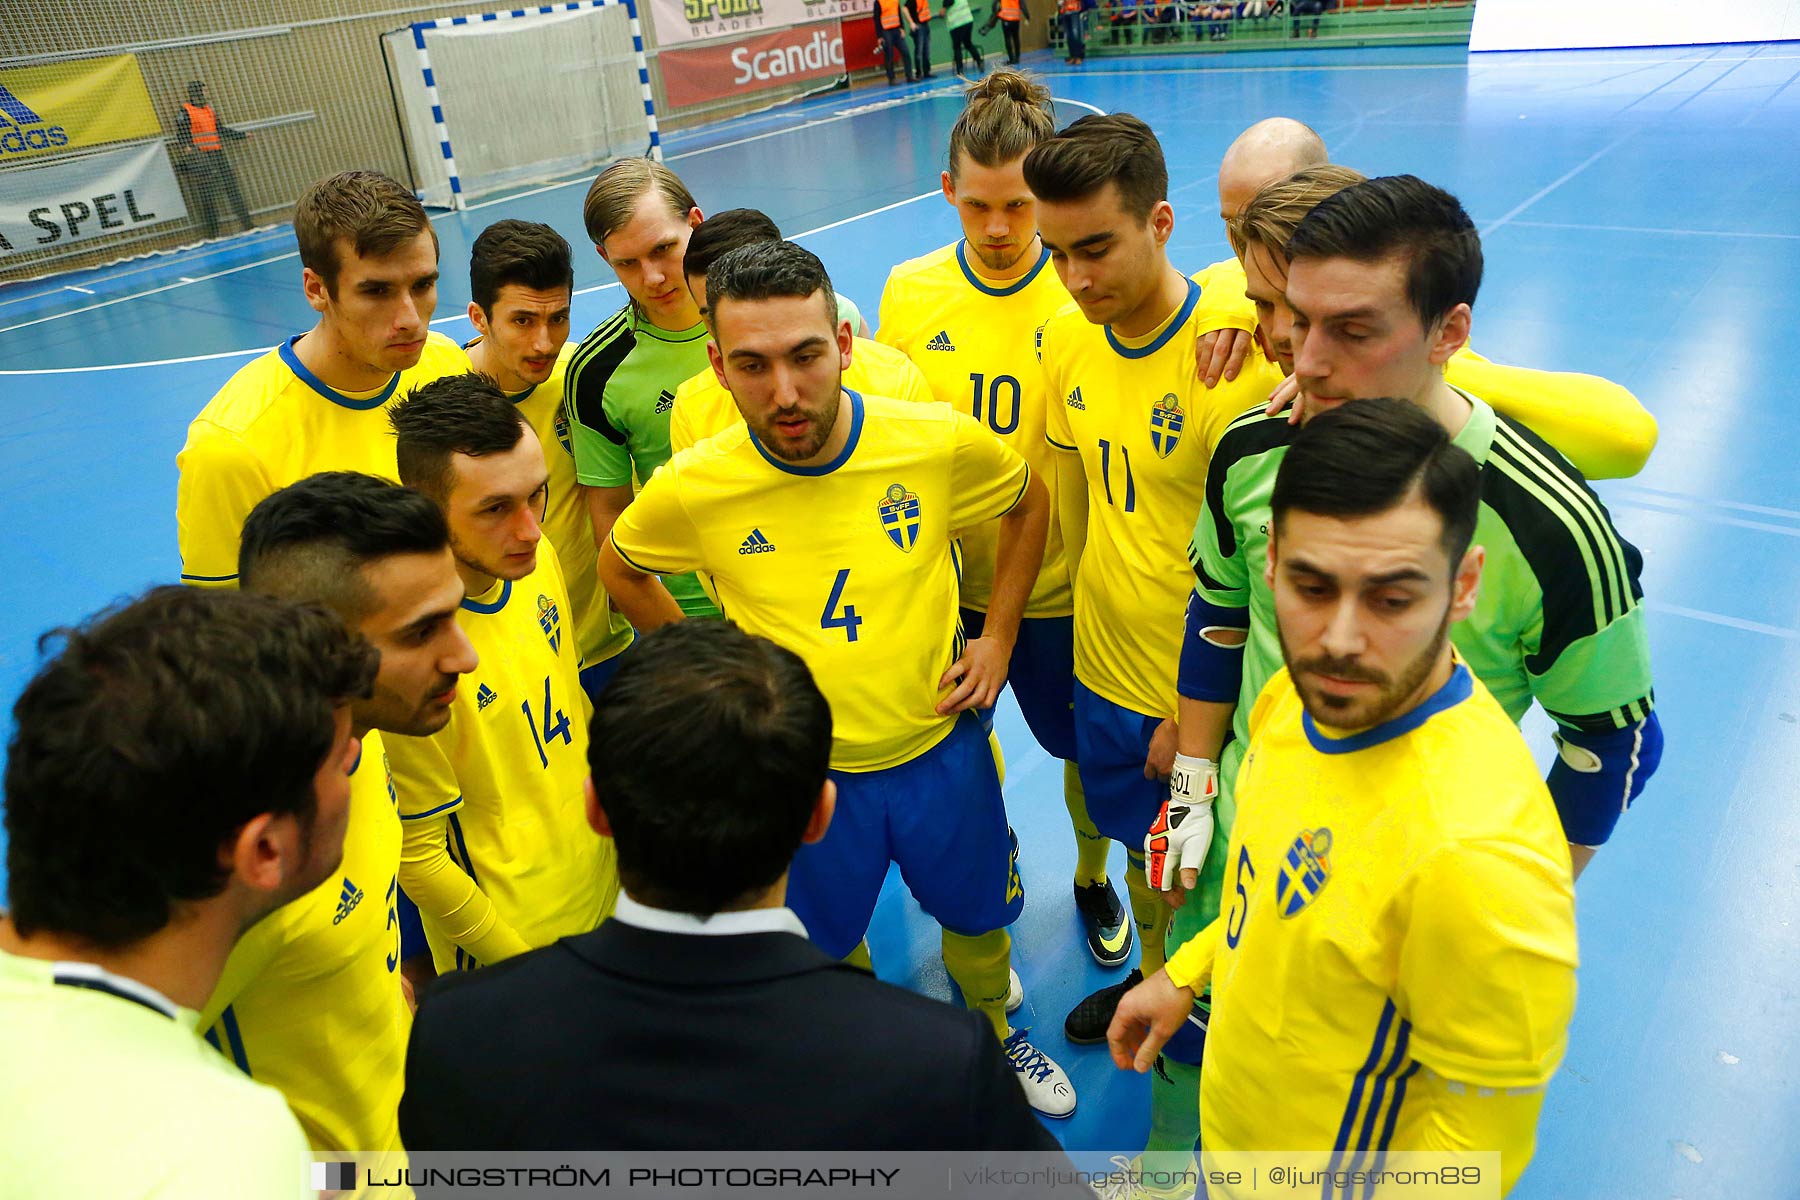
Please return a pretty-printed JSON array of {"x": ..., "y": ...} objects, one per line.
[
  {"x": 756, "y": 543},
  {"x": 940, "y": 342},
  {"x": 484, "y": 696},
  {"x": 348, "y": 901},
  {"x": 665, "y": 402},
  {"x": 1075, "y": 400}
]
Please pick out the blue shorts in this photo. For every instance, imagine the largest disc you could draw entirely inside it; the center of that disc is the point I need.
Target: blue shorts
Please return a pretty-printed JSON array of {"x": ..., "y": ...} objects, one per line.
[
  {"x": 595, "y": 678},
  {"x": 1042, "y": 678},
  {"x": 1110, "y": 744},
  {"x": 412, "y": 929},
  {"x": 941, "y": 818}
]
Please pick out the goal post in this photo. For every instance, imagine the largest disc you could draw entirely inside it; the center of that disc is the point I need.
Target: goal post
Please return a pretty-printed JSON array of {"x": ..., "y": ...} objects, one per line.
[{"x": 500, "y": 99}]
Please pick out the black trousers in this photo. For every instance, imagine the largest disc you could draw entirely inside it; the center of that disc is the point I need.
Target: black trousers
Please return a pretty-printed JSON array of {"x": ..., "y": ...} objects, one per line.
[
  {"x": 893, "y": 46},
  {"x": 921, "y": 37},
  {"x": 963, "y": 38},
  {"x": 1009, "y": 30},
  {"x": 215, "y": 181}
]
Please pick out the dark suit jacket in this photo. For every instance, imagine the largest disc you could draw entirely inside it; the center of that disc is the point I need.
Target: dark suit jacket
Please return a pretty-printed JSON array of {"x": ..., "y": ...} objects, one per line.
[{"x": 629, "y": 1039}]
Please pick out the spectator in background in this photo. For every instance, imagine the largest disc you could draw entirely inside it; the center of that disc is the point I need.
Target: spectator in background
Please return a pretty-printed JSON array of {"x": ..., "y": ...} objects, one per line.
[
  {"x": 921, "y": 36},
  {"x": 1303, "y": 9},
  {"x": 1011, "y": 14},
  {"x": 1123, "y": 20},
  {"x": 1073, "y": 19},
  {"x": 891, "y": 16},
  {"x": 959, "y": 19},
  {"x": 200, "y": 135}
]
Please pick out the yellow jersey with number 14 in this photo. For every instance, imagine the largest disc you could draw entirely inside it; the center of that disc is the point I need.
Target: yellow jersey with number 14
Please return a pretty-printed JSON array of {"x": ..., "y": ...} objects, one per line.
[
  {"x": 848, "y": 564},
  {"x": 1399, "y": 932},
  {"x": 1144, "y": 427},
  {"x": 507, "y": 770},
  {"x": 973, "y": 337},
  {"x": 310, "y": 1002},
  {"x": 272, "y": 424}
]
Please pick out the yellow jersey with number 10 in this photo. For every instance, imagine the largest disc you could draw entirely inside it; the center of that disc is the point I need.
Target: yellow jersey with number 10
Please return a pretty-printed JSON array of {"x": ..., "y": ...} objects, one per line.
[
  {"x": 1144, "y": 427},
  {"x": 508, "y": 769},
  {"x": 973, "y": 337},
  {"x": 848, "y": 564}
]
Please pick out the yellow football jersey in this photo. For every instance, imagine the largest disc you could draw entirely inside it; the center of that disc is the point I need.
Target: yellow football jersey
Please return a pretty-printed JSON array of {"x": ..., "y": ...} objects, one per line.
[
  {"x": 973, "y": 337},
  {"x": 703, "y": 407},
  {"x": 310, "y": 999},
  {"x": 1223, "y": 304},
  {"x": 599, "y": 632},
  {"x": 272, "y": 424},
  {"x": 507, "y": 770},
  {"x": 1144, "y": 427},
  {"x": 850, "y": 564},
  {"x": 1396, "y": 899}
]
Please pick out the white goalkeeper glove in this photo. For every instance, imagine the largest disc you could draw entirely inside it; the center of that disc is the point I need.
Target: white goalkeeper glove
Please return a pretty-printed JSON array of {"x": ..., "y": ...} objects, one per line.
[{"x": 1177, "y": 843}]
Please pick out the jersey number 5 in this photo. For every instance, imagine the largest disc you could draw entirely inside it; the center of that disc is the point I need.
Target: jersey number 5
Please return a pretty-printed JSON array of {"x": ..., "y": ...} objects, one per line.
[
  {"x": 1240, "y": 907},
  {"x": 847, "y": 620},
  {"x": 558, "y": 730}
]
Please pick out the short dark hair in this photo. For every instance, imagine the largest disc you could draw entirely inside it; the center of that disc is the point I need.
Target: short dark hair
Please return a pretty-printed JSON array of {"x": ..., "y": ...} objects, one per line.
[
  {"x": 456, "y": 414},
  {"x": 1116, "y": 148},
  {"x": 521, "y": 252},
  {"x": 310, "y": 541},
  {"x": 196, "y": 89},
  {"x": 158, "y": 729},
  {"x": 764, "y": 271},
  {"x": 365, "y": 208},
  {"x": 709, "y": 751},
  {"x": 1399, "y": 215},
  {"x": 723, "y": 232},
  {"x": 1367, "y": 456}
]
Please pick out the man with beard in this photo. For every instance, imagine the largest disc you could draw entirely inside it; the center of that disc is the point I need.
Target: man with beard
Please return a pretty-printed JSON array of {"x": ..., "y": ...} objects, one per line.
[
  {"x": 826, "y": 523},
  {"x": 496, "y": 849},
  {"x": 1405, "y": 1008}
]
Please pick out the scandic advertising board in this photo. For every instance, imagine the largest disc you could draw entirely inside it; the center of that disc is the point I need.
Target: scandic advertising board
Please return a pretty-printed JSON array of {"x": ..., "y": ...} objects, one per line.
[{"x": 697, "y": 74}]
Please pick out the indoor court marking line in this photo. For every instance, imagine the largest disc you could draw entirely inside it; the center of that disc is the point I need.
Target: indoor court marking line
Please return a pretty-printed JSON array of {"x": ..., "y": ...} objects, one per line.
[
  {"x": 1711, "y": 518},
  {"x": 201, "y": 250},
  {"x": 1571, "y": 173},
  {"x": 1687, "y": 498},
  {"x": 1713, "y": 618},
  {"x": 1724, "y": 233}
]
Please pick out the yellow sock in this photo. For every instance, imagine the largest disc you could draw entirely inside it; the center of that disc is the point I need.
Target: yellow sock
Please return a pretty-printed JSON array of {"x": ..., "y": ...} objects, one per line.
[
  {"x": 999, "y": 756},
  {"x": 859, "y": 957},
  {"x": 1150, "y": 914},
  {"x": 1090, "y": 848},
  {"x": 982, "y": 966}
]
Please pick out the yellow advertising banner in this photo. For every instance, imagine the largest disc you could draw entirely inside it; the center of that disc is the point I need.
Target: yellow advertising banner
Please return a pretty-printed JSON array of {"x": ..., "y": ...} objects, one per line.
[{"x": 66, "y": 105}]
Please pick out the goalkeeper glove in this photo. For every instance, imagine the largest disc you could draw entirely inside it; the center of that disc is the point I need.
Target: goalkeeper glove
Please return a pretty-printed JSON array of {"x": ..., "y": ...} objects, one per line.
[{"x": 1178, "y": 841}]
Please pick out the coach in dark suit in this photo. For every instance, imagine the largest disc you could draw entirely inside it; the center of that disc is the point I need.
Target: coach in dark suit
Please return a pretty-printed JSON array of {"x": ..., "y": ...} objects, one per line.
[{"x": 699, "y": 1016}]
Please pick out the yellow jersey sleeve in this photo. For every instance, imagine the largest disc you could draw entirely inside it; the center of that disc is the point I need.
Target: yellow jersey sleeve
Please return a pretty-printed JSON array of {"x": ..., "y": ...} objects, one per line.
[
  {"x": 655, "y": 533},
  {"x": 221, "y": 481},
  {"x": 1598, "y": 425},
  {"x": 1487, "y": 970},
  {"x": 1452, "y": 1118},
  {"x": 987, "y": 477},
  {"x": 1223, "y": 304},
  {"x": 1192, "y": 965}
]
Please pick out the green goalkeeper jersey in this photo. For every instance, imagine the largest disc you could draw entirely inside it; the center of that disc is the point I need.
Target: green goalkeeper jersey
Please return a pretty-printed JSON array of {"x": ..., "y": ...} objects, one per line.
[{"x": 1559, "y": 617}]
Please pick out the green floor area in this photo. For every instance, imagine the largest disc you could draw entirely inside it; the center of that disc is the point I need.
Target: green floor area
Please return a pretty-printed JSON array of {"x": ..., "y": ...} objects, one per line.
[{"x": 1163, "y": 28}]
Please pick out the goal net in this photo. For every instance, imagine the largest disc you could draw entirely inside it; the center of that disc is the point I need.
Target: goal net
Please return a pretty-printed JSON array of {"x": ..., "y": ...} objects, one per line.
[{"x": 501, "y": 99}]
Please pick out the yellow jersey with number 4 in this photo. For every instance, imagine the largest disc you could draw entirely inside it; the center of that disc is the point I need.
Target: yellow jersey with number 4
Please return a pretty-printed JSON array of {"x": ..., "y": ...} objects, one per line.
[
  {"x": 849, "y": 564},
  {"x": 507, "y": 771},
  {"x": 310, "y": 1000},
  {"x": 974, "y": 339},
  {"x": 272, "y": 424},
  {"x": 1144, "y": 427}
]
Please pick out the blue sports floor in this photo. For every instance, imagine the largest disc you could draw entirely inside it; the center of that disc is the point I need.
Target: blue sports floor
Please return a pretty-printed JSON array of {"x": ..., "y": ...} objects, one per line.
[{"x": 1642, "y": 218}]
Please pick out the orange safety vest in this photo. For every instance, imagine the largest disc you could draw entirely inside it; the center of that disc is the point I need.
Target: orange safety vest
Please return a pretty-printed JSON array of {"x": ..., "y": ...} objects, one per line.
[
  {"x": 923, "y": 10},
  {"x": 1009, "y": 10},
  {"x": 203, "y": 127},
  {"x": 890, "y": 14},
  {"x": 1069, "y": 6}
]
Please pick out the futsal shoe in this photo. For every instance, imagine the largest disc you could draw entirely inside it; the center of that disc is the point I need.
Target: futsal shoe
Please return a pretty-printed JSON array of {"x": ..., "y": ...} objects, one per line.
[
  {"x": 1090, "y": 1019},
  {"x": 1047, "y": 1088},
  {"x": 1105, "y": 921},
  {"x": 1015, "y": 991},
  {"x": 1134, "y": 1179}
]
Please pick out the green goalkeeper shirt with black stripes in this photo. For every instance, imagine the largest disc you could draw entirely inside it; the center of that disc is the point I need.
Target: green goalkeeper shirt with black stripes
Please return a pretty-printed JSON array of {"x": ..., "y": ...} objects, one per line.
[{"x": 1559, "y": 618}]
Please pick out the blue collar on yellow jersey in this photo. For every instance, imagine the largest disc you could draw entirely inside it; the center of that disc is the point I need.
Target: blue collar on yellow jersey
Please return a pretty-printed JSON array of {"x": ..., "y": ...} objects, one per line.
[
  {"x": 286, "y": 350},
  {"x": 856, "y": 424},
  {"x": 1016, "y": 286},
  {"x": 487, "y": 610},
  {"x": 1162, "y": 339},
  {"x": 515, "y": 397},
  {"x": 1455, "y": 690}
]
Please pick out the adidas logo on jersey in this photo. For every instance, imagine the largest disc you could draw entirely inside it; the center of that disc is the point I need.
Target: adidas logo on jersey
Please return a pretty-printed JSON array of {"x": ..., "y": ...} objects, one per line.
[
  {"x": 940, "y": 342},
  {"x": 665, "y": 402},
  {"x": 484, "y": 696},
  {"x": 347, "y": 902},
  {"x": 1074, "y": 400},
  {"x": 756, "y": 543}
]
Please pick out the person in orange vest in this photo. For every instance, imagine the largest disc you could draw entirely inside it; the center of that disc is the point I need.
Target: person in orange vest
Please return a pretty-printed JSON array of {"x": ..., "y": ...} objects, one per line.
[
  {"x": 1011, "y": 14},
  {"x": 202, "y": 137},
  {"x": 921, "y": 36},
  {"x": 1074, "y": 35},
  {"x": 890, "y": 17}
]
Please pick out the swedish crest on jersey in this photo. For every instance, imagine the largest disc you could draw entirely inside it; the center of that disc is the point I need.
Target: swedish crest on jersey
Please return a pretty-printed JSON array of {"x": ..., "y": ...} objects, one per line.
[
  {"x": 1305, "y": 870},
  {"x": 899, "y": 511},
  {"x": 1166, "y": 422},
  {"x": 550, "y": 621}
]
